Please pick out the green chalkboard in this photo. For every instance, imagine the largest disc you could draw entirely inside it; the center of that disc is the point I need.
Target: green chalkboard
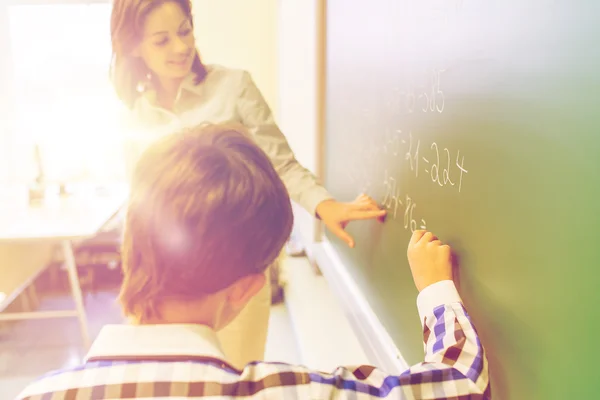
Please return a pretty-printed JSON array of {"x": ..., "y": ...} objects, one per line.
[{"x": 479, "y": 120}]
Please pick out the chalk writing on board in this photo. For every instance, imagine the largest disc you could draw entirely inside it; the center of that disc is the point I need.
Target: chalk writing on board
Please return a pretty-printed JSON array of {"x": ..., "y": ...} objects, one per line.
[
  {"x": 434, "y": 96},
  {"x": 413, "y": 158},
  {"x": 446, "y": 173},
  {"x": 439, "y": 168},
  {"x": 409, "y": 220},
  {"x": 429, "y": 98},
  {"x": 460, "y": 166},
  {"x": 435, "y": 168},
  {"x": 445, "y": 167},
  {"x": 396, "y": 205}
]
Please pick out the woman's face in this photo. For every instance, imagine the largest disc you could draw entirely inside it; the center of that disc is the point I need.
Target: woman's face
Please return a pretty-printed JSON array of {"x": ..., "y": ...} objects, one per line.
[{"x": 168, "y": 47}]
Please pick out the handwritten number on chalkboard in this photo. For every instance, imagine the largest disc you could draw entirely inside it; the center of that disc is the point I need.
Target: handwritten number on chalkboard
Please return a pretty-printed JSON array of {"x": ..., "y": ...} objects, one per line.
[
  {"x": 413, "y": 223},
  {"x": 461, "y": 167},
  {"x": 409, "y": 221},
  {"x": 416, "y": 158},
  {"x": 407, "y": 212},
  {"x": 440, "y": 94},
  {"x": 414, "y": 161},
  {"x": 435, "y": 100},
  {"x": 435, "y": 168},
  {"x": 446, "y": 172}
]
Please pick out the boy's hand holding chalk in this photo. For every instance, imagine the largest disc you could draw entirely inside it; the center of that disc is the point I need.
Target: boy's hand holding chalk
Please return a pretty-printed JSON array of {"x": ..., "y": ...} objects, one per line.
[{"x": 429, "y": 259}]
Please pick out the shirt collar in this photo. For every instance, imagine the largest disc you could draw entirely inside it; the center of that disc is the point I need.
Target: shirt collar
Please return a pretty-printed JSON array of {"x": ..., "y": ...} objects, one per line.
[
  {"x": 156, "y": 340},
  {"x": 187, "y": 85}
]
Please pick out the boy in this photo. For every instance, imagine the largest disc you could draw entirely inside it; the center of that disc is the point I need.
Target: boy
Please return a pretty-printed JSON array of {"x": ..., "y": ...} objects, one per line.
[{"x": 192, "y": 195}]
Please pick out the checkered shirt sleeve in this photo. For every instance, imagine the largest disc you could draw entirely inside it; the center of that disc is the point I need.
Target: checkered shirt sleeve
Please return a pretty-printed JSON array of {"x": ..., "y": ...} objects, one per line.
[{"x": 455, "y": 367}]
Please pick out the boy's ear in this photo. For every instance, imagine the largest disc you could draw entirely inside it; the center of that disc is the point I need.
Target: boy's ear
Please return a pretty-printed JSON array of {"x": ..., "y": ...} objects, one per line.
[{"x": 241, "y": 291}]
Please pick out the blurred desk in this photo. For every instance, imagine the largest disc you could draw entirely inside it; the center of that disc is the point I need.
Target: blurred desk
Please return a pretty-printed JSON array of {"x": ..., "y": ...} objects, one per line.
[{"x": 56, "y": 219}]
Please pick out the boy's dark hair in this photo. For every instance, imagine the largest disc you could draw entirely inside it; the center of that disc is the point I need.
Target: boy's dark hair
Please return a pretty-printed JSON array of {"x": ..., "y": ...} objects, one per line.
[{"x": 206, "y": 208}]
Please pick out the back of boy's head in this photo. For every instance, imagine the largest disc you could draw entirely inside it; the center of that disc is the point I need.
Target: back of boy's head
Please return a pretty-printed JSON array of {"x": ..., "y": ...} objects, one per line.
[{"x": 206, "y": 209}]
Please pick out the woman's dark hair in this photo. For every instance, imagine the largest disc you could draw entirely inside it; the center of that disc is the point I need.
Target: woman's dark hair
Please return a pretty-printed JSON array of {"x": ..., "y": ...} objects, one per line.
[{"x": 128, "y": 72}]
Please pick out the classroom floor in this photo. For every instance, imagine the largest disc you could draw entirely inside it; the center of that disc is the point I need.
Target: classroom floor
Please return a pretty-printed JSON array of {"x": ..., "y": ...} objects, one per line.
[{"x": 31, "y": 348}]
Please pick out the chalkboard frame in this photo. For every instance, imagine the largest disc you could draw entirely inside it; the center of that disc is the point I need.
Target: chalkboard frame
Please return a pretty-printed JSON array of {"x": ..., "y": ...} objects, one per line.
[{"x": 372, "y": 336}]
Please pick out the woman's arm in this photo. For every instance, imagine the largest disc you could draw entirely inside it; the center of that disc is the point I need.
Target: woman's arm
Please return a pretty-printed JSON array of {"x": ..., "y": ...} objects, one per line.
[
  {"x": 302, "y": 185},
  {"x": 256, "y": 116}
]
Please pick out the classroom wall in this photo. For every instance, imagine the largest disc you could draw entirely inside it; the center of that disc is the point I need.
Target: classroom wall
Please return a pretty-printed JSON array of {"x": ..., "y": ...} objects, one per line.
[
  {"x": 298, "y": 91},
  {"x": 241, "y": 34},
  {"x": 4, "y": 90}
]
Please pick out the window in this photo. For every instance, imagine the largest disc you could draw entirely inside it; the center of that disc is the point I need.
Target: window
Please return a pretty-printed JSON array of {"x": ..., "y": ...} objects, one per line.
[{"x": 62, "y": 98}]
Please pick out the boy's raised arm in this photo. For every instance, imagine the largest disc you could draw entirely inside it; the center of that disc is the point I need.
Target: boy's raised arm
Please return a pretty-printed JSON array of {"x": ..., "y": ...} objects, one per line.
[{"x": 454, "y": 367}]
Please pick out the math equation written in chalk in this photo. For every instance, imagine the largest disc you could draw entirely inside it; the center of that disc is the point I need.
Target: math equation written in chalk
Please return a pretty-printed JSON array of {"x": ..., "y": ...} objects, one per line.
[
  {"x": 400, "y": 149},
  {"x": 442, "y": 166}
]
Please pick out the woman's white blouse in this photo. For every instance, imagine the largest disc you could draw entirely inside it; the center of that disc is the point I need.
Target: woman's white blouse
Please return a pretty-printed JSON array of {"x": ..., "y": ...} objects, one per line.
[{"x": 225, "y": 96}]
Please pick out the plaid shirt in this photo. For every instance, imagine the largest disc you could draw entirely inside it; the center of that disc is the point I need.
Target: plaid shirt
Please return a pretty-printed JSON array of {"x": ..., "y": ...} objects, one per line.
[{"x": 185, "y": 361}]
